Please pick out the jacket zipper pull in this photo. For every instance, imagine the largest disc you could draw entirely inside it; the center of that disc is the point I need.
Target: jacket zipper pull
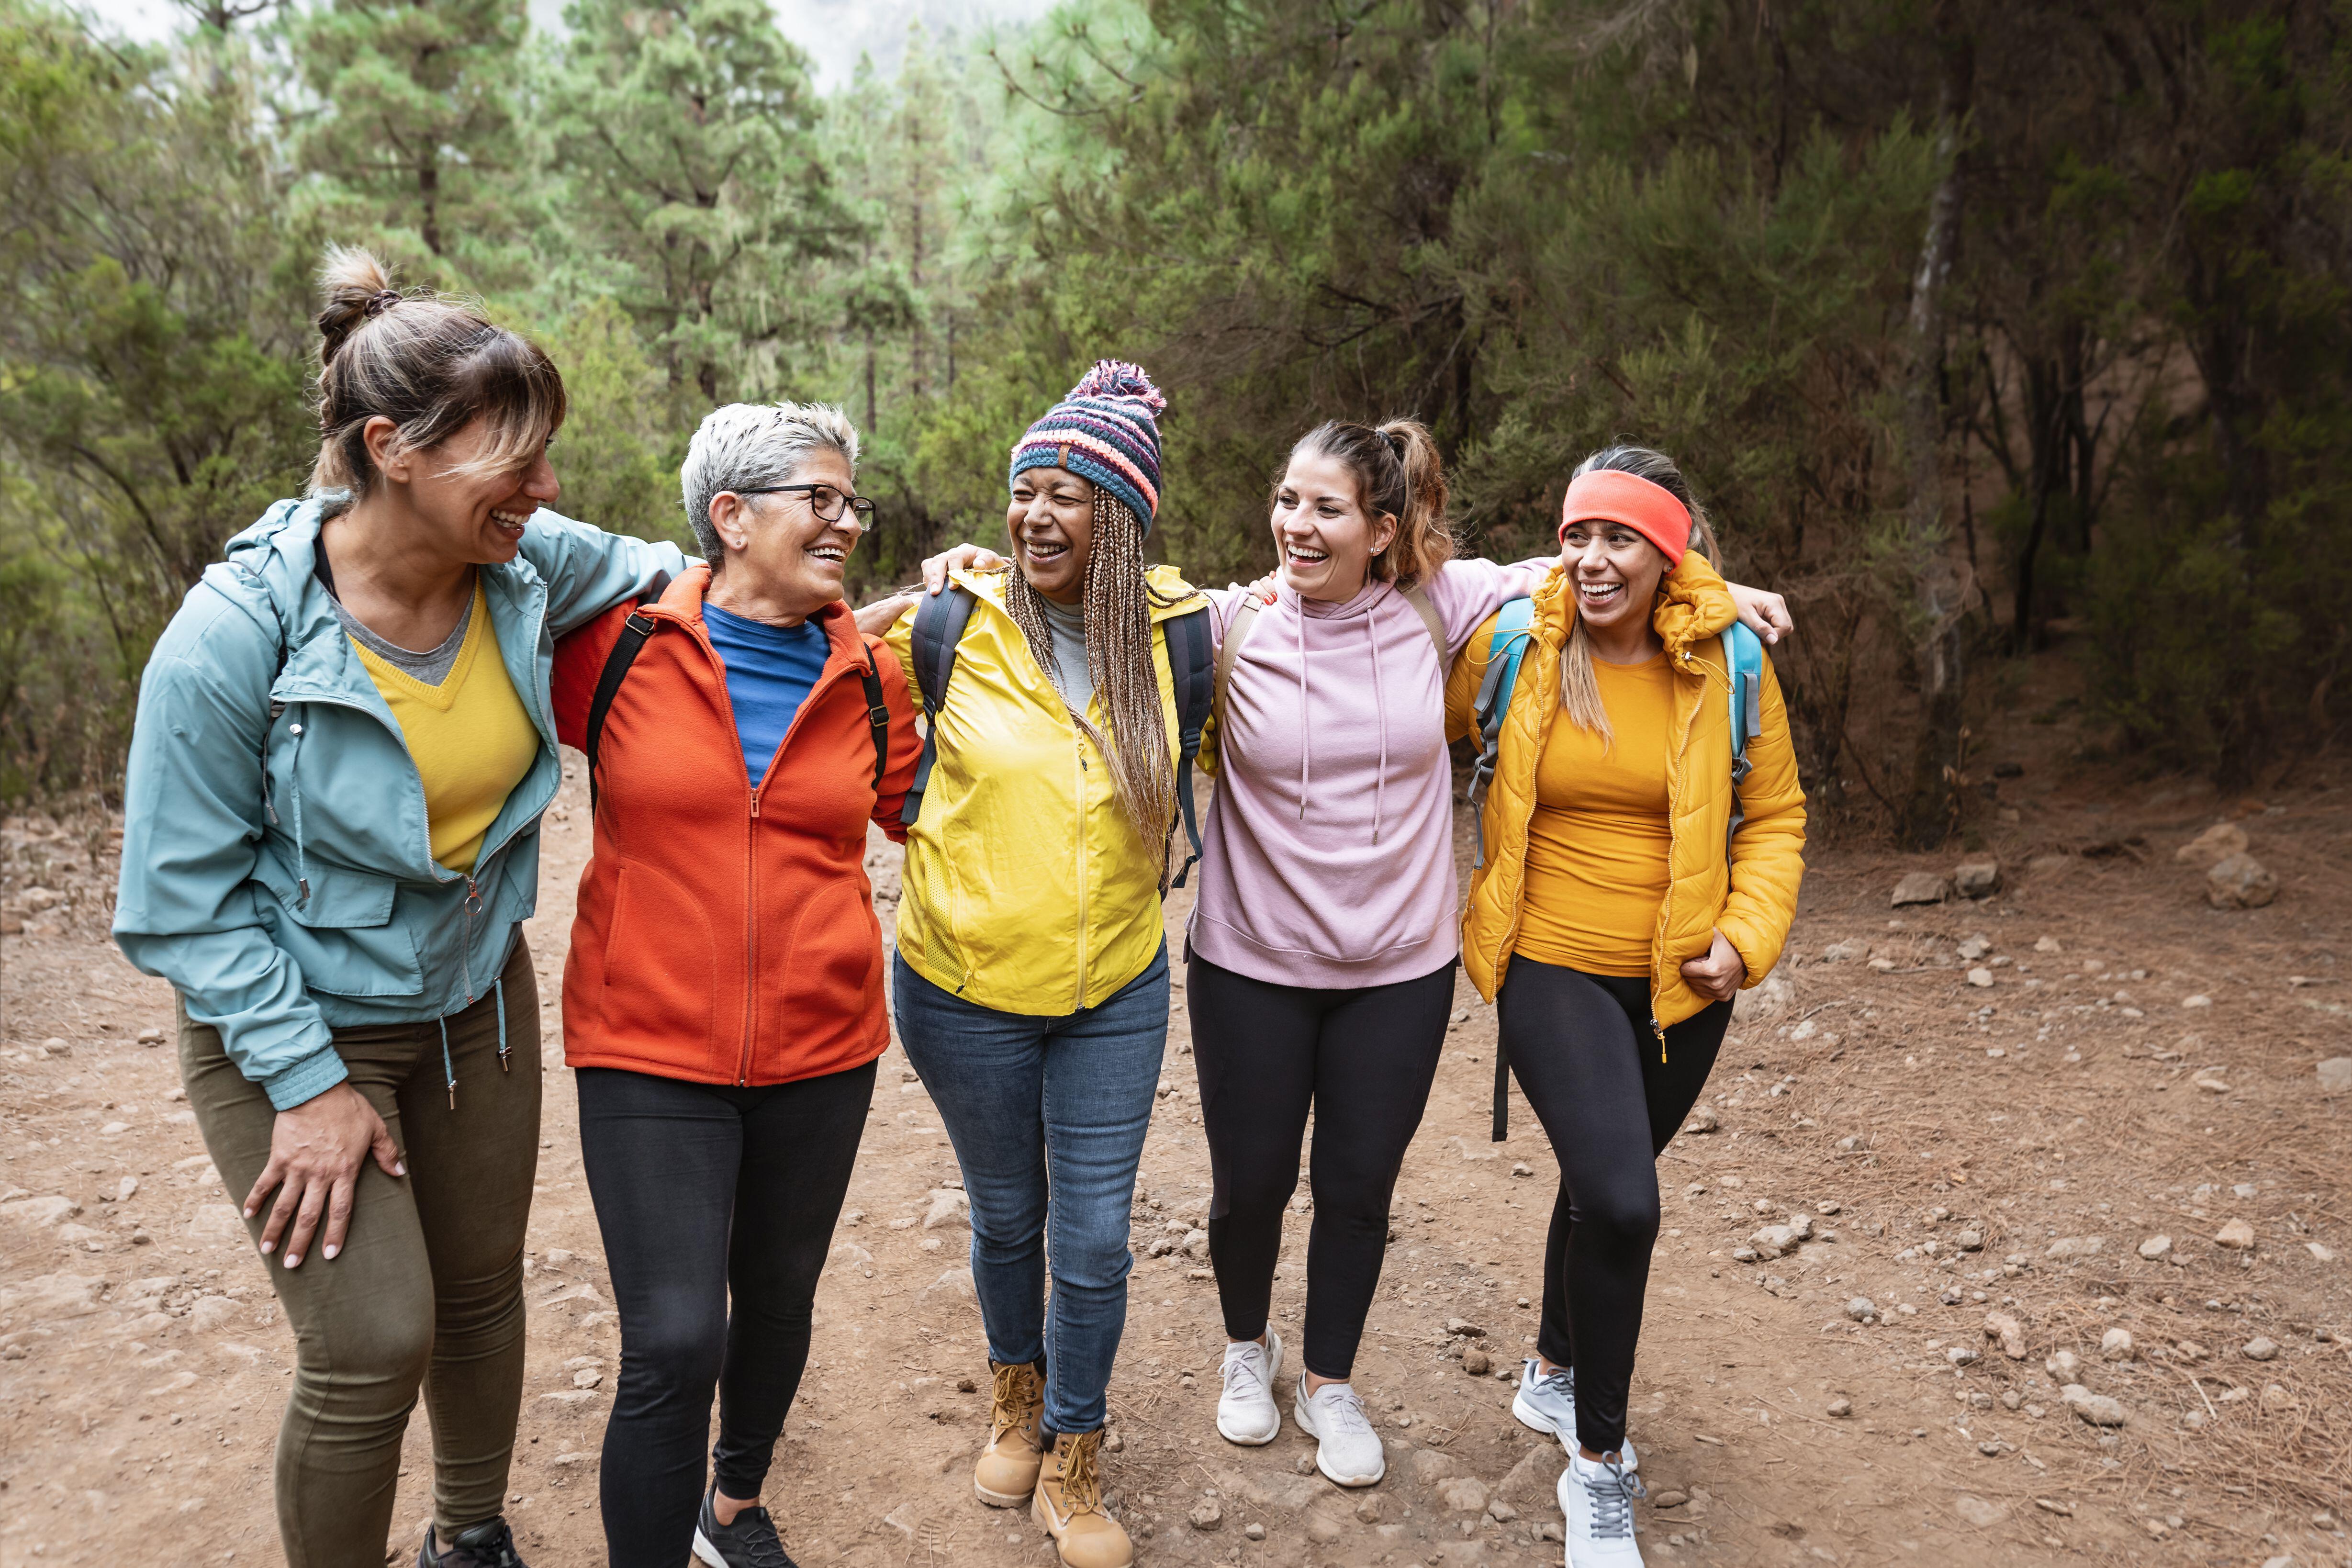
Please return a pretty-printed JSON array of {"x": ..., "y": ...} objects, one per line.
[
  {"x": 755, "y": 805},
  {"x": 1656, "y": 1029}
]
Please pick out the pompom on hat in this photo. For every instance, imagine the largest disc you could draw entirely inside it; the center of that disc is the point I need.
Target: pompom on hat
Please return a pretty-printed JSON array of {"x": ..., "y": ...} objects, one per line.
[{"x": 1106, "y": 431}]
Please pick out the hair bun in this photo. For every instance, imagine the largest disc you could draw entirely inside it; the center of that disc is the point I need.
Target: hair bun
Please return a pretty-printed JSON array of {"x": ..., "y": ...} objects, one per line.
[{"x": 353, "y": 288}]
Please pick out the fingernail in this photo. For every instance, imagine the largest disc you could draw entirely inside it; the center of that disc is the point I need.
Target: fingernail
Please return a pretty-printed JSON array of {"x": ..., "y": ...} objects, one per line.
[
  {"x": 264, "y": 1246},
  {"x": 293, "y": 1260},
  {"x": 329, "y": 1251},
  {"x": 400, "y": 1167},
  {"x": 248, "y": 1213}
]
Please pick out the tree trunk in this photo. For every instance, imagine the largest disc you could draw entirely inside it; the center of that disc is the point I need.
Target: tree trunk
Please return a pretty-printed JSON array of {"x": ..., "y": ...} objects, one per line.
[
  {"x": 428, "y": 192},
  {"x": 1934, "y": 800}
]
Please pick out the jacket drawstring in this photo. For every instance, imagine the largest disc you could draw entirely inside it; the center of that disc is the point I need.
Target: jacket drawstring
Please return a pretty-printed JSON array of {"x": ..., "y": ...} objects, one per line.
[
  {"x": 1306, "y": 730},
  {"x": 499, "y": 989},
  {"x": 1380, "y": 711},
  {"x": 448, "y": 1070}
]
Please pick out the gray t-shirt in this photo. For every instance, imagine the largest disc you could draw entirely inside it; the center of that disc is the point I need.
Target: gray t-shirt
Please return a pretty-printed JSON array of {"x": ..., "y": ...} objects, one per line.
[
  {"x": 1067, "y": 625},
  {"x": 432, "y": 666}
]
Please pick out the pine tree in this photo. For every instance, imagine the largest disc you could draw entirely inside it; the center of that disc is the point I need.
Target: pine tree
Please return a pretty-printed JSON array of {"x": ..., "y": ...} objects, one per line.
[
  {"x": 414, "y": 107},
  {"x": 684, "y": 129}
]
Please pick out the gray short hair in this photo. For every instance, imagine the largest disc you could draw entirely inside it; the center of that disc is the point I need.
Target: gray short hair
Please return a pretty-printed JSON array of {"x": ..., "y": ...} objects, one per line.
[{"x": 746, "y": 445}]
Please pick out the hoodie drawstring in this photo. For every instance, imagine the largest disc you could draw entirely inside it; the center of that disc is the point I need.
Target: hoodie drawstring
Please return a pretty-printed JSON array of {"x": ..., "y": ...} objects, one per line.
[
  {"x": 1306, "y": 730},
  {"x": 1380, "y": 711}
]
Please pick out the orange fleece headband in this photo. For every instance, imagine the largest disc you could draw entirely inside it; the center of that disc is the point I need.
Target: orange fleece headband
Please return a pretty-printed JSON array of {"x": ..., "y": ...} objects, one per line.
[{"x": 1615, "y": 496}]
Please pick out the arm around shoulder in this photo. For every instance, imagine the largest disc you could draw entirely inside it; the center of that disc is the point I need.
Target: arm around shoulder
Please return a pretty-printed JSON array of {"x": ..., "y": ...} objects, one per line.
[{"x": 589, "y": 571}]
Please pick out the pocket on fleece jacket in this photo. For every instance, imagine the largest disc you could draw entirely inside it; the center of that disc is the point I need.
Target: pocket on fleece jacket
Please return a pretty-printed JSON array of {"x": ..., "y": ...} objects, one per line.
[{"x": 659, "y": 971}]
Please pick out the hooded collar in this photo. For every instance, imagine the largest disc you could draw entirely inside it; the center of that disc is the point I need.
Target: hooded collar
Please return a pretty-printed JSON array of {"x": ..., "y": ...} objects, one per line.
[{"x": 1693, "y": 605}]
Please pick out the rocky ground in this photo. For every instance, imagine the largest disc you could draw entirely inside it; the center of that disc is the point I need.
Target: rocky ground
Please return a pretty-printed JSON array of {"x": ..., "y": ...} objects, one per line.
[{"x": 2011, "y": 1227}]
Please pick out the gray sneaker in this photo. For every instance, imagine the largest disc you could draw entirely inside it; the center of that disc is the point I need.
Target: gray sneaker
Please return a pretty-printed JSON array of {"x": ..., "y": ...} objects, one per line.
[{"x": 1547, "y": 1404}]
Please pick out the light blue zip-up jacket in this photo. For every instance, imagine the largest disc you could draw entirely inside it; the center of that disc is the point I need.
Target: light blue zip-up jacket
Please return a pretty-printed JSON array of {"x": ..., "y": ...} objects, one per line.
[{"x": 277, "y": 868}]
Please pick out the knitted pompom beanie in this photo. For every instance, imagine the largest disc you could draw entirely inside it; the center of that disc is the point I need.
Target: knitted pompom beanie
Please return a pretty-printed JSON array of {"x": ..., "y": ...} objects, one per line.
[{"x": 1108, "y": 431}]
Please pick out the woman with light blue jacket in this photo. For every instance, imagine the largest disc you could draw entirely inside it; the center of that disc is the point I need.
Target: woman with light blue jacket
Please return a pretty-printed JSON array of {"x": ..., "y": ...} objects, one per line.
[{"x": 332, "y": 835}]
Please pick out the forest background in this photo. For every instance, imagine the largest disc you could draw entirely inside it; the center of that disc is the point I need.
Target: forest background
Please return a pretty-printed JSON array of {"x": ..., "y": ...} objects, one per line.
[{"x": 1984, "y": 329}]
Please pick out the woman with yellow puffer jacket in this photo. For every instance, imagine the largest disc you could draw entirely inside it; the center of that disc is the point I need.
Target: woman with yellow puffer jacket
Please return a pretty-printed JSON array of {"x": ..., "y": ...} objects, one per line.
[{"x": 1618, "y": 913}]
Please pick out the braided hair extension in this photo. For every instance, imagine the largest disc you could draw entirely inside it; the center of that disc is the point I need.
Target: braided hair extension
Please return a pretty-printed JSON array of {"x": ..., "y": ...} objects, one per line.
[{"x": 1119, "y": 603}]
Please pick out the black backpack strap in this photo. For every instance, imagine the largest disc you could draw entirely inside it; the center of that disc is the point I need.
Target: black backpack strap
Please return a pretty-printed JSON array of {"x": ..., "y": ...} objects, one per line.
[
  {"x": 1192, "y": 665},
  {"x": 877, "y": 714},
  {"x": 634, "y": 633},
  {"x": 939, "y": 620}
]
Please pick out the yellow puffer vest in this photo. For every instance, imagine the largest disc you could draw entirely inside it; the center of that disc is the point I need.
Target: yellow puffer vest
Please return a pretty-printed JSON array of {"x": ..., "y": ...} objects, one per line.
[
  {"x": 1751, "y": 897},
  {"x": 1027, "y": 889}
]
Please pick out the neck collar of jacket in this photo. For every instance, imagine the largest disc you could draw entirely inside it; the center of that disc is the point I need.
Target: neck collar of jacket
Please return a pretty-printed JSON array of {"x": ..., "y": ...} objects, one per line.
[
  {"x": 1694, "y": 606},
  {"x": 271, "y": 570},
  {"x": 685, "y": 596},
  {"x": 989, "y": 588}
]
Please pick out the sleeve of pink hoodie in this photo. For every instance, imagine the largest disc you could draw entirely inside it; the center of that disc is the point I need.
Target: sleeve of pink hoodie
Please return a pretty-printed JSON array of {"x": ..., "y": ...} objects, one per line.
[{"x": 1467, "y": 592}]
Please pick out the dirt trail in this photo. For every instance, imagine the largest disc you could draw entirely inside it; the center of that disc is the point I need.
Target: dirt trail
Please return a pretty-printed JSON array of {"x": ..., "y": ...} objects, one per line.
[{"x": 1959, "y": 1150}]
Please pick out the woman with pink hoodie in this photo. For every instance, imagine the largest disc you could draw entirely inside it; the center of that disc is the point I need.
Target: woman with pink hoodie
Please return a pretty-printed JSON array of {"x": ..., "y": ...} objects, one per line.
[{"x": 1322, "y": 945}]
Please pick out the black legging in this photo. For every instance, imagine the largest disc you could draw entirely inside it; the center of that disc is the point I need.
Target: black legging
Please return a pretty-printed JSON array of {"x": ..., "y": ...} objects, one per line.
[
  {"x": 702, "y": 1190},
  {"x": 1581, "y": 1048},
  {"x": 1363, "y": 1059}
]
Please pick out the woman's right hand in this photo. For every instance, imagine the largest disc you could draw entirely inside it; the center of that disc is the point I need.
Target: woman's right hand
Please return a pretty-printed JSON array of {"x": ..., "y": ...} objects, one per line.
[
  {"x": 959, "y": 558},
  {"x": 315, "y": 1154}
]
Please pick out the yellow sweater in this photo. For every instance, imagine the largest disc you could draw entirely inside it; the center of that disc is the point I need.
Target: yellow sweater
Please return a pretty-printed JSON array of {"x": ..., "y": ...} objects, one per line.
[
  {"x": 1599, "y": 837},
  {"x": 469, "y": 736}
]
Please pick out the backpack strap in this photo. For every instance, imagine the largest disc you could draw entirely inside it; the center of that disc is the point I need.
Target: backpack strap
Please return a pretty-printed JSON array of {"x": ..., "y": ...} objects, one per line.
[
  {"x": 1229, "y": 652},
  {"x": 1513, "y": 630},
  {"x": 1418, "y": 597},
  {"x": 940, "y": 621},
  {"x": 877, "y": 714},
  {"x": 1194, "y": 673},
  {"x": 626, "y": 647},
  {"x": 1743, "y": 658}
]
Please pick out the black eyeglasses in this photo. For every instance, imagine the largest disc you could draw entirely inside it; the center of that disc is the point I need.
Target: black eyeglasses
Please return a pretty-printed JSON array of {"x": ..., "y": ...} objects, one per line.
[{"x": 824, "y": 499}]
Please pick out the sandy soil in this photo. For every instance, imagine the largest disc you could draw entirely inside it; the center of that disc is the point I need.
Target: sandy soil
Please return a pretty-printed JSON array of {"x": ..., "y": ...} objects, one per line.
[{"x": 2137, "y": 1067}]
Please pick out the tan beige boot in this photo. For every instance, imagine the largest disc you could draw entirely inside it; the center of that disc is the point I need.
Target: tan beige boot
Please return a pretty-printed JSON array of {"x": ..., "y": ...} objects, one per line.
[
  {"x": 1069, "y": 1505},
  {"x": 1007, "y": 1472}
]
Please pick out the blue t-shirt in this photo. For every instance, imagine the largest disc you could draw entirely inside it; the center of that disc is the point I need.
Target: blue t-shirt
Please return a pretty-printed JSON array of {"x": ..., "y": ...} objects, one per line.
[{"x": 770, "y": 671}]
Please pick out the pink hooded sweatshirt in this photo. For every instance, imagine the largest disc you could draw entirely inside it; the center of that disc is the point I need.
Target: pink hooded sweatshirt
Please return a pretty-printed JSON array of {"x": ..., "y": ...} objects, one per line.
[{"x": 1328, "y": 855}]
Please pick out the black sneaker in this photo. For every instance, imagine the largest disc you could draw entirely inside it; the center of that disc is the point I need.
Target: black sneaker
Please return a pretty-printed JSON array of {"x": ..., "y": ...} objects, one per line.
[
  {"x": 486, "y": 1545},
  {"x": 749, "y": 1542}
]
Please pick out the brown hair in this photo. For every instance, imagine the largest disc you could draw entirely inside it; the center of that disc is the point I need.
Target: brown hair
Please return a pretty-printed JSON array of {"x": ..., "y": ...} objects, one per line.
[
  {"x": 430, "y": 365},
  {"x": 1398, "y": 473},
  {"x": 1118, "y": 602},
  {"x": 1580, "y": 691}
]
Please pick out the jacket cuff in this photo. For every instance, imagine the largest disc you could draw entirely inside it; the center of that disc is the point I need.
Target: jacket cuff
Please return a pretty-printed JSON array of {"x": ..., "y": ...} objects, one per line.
[
  {"x": 307, "y": 1080},
  {"x": 1758, "y": 957}
]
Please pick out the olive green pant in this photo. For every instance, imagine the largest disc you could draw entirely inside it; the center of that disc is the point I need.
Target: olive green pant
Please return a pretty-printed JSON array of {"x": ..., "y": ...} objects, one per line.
[{"x": 429, "y": 1286}]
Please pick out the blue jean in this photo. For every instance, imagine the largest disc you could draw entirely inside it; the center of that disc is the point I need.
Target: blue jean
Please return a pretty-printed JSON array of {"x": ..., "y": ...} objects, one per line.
[{"x": 1047, "y": 1116}]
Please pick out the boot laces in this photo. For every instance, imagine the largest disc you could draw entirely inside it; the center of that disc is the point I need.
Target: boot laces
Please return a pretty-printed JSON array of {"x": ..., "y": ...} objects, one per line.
[
  {"x": 1081, "y": 1476},
  {"x": 1015, "y": 1399},
  {"x": 1610, "y": 1488}
]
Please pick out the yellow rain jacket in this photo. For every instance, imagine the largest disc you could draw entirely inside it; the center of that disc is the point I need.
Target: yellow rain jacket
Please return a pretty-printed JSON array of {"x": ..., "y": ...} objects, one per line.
[
  {"x": 1027, "y": 889},
  {"x": 1752, "y": 896}
]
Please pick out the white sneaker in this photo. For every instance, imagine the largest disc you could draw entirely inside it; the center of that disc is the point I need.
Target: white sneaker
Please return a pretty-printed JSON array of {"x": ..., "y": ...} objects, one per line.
[
  {"x": 1598, "y": 1498},
  {"x": 1546, "y": 1401},
  {"x": 1247, "y": 1413},
  {"x": 1346, "y": 1449}
]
